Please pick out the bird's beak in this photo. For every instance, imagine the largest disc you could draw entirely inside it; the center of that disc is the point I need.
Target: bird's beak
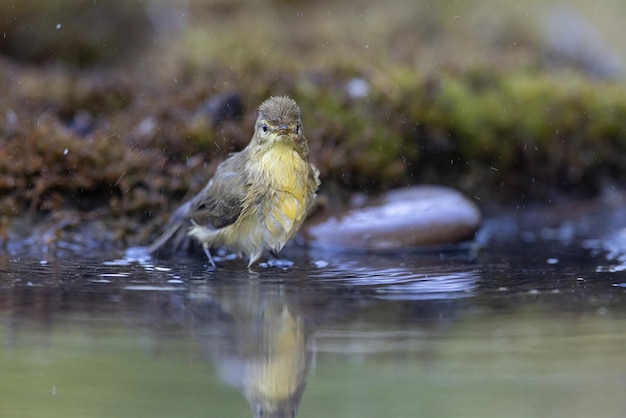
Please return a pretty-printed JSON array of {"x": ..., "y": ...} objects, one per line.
[{"x": 282, "y": 129}]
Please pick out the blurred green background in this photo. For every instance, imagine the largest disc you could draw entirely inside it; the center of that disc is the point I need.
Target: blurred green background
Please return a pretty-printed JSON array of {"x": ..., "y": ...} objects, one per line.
[{"x": 126, "y": 106}]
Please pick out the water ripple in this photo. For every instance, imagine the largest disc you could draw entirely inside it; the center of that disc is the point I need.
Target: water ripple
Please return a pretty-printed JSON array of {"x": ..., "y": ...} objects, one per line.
[{"x": 408, "y": 282}]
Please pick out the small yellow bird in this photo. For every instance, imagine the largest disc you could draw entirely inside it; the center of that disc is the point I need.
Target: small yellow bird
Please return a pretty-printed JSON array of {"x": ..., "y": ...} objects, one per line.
[{"x": 258, "y": 197}]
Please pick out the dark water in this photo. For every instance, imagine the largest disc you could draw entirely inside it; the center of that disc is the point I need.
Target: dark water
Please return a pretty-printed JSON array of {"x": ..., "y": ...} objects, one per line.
[{"x": 534, "y": 327}]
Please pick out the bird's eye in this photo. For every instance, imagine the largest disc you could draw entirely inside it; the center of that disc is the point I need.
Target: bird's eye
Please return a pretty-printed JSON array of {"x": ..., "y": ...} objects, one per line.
[
  {"x": 298, "y": 128},
  {"x": 264, "y": 128}
]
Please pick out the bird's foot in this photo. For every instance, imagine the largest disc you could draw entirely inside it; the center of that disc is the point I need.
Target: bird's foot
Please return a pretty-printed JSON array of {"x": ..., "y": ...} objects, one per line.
[{"x": 207, "y": 251}]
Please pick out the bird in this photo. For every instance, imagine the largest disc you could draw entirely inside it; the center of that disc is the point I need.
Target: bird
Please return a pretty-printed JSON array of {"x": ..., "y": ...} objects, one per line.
[{"x": 259, "y": 197}]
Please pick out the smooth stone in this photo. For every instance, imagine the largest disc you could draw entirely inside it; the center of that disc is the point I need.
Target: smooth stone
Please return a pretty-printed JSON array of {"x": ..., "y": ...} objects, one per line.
[{"x": 407, "y": 218}]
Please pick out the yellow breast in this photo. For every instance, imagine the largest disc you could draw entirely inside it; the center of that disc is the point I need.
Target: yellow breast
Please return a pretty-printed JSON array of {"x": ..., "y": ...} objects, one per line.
[
  {"x": 285, "y": 170},
  {"x": 288, "y": 197}
]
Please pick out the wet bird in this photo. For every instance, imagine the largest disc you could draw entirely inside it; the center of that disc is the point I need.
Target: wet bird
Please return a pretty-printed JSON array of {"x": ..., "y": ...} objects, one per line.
[{"x": 259, "y": 197}]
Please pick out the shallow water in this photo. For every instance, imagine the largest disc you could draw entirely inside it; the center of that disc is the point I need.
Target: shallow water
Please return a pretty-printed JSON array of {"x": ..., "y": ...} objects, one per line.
[{"x": 517, "y": 330}]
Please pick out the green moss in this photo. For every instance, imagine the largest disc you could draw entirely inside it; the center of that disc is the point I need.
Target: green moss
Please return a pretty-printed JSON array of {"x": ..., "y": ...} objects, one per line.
[
  {"x": 479, "y": 110},
  {"x": 356, "y": 142}
]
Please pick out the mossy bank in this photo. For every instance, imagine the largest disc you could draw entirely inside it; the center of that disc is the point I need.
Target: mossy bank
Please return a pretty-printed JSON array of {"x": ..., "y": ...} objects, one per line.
[{"x": 390, "y": 97}]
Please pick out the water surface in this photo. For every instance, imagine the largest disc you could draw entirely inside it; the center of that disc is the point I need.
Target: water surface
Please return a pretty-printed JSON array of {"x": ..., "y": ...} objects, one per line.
[{"x": 517, "y": 330}]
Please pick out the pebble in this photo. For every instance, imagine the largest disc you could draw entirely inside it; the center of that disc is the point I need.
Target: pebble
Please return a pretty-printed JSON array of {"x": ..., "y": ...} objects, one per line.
[
  {"x": 223, "y": 107},
  {"x": 406, "y": 218}
]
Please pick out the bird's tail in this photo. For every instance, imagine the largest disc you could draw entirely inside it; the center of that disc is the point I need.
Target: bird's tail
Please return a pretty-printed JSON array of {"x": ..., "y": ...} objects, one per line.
[
  {"x": 159, "y": 242},
  {"x": 176, "y": 223}
]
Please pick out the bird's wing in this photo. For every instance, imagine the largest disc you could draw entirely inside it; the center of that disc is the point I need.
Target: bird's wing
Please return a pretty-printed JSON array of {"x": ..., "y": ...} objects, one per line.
[{"x": 220, "y": 203}]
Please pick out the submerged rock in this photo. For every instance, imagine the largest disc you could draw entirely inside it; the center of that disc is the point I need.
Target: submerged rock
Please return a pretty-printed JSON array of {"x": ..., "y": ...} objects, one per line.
[{"x": 412, "y": 217}]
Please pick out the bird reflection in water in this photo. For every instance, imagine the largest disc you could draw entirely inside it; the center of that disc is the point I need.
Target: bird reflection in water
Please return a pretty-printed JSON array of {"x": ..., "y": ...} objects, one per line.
[{"x": 263, "y": 344}]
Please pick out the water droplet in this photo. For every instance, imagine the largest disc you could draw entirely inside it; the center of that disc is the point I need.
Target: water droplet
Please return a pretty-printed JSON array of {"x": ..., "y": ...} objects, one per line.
[{"x": 320, "y": 264}]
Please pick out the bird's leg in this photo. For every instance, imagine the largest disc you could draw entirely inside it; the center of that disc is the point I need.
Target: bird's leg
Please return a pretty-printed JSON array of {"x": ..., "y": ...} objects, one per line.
[{"x": 207, "y": 251}]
